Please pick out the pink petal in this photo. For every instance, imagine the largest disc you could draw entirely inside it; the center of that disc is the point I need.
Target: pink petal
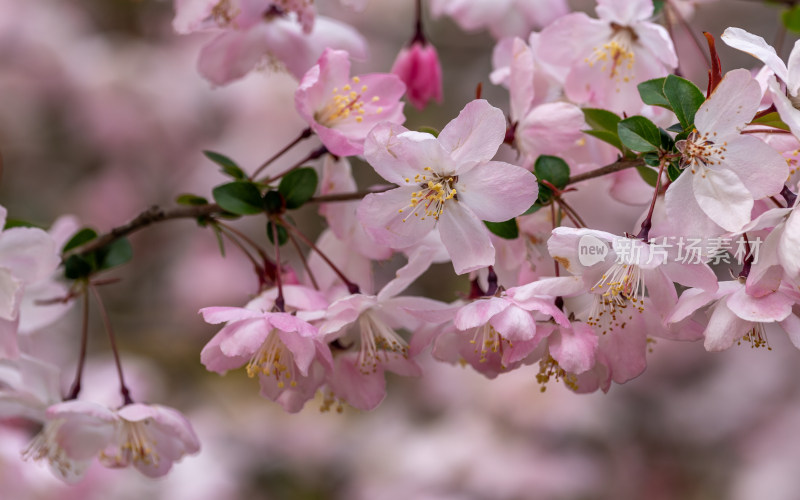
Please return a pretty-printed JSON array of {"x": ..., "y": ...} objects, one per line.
[
  {"x": 574, "y": 348},
  {"x": 475, "y": 134},
  {"x": 723, "y": 198},
  {"x": 766, "y": 309},
  {"x": 466, "y": 238},
  {"x": 731, "y": 106},
  {"x": 479, "y": 312},
  {"x": 399, "y": 155},
  {"x": 762, "y": 178},
  {"x": 381, "y": 216},
  {"x": 497, "y": 191},
  {"x": 724, "y": 328},
  {"x": 624, "y": 12},
  {"x": 216, "y": 315},
  {"x": 515, "y": 324}
]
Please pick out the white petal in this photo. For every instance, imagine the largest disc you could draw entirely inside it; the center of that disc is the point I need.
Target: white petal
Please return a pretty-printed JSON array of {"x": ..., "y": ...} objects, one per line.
[
  {"x": 756, "y": 47},
  {"x": 731, "y": 106},
  {"x": 723, "y": 197}
]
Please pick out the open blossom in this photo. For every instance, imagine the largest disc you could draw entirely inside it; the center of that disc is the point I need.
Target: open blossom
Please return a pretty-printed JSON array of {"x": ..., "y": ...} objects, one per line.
[
  {"x": 419, "y": 68},
  {"x": 789, "y": 74},
  {"x": 449, "y": 183},
  {"x": 503, "y": 18},
  {"x": 279, "y": 348},
  {"x": 27, "y": 256},
  {"x": 342, "y": 110},
  {"x": 724, "y": 171},
  {"x": 609, "y": 56},
  {"x": 255, "y": 33},
  {"x": 149, "y": 437}
]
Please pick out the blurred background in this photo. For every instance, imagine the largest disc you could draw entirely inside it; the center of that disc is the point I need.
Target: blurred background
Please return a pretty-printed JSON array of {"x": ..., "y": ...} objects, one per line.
[{"x": 103, "y": 114}]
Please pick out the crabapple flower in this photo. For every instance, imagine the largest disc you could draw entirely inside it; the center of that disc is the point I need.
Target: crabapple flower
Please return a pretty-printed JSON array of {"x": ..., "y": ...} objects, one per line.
[
  {"x": 736, "y": 315},
  {"x": 758, "y": 48},
  {"x": 342, "y": 110},
  {"x": 419, "y": 68},
  {"x": 724, "y": 171},
  {"x": 280, "y": 348},
  {"x": 503, "y": 18},
  {"x": 609, "y": 56},
  {"x": 27, "y": 256},
  {"x": 449, "y": 183},
  {"x": 149, "y": 437},
  {"x": 262, "y": 33}
]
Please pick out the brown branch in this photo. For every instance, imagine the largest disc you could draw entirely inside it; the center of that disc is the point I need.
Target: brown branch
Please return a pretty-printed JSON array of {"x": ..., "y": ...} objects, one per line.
[
  {"x": 618, "y": 165},
  {"x": 150, "y": 216},
  {"x": 357, "y": 195}
]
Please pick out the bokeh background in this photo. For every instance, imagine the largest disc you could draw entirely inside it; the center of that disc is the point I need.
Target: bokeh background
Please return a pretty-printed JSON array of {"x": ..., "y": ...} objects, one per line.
[{"x": 102, "y": 114}]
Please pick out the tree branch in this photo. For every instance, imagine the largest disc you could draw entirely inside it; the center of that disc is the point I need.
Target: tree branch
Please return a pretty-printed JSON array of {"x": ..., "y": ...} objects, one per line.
[{"x": 618, "y": 165}]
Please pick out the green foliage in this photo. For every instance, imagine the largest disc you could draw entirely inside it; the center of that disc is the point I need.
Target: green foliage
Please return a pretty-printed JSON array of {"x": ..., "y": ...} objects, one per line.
[
  {"x": 283, "y": 236},
  {"x": 191, "y": 200},
  {"x": 229, "y": 167},
  {"x": 429, "y": 130},
  {"x": 603, "y": 125},
  {"x": 298, "y": 186},
  {"x": 240, "y": 198},
  {"x": 508, "y": 229},
  {"x": 79, "y": 266},
  {"x": 771, "y": 120},
  {"x": 791, "y": 19},
  {"x": 639, "y": 134},
  {"x": 652, "y": 93},
  {"x": 553, "y": 170},
  {"x": 685, "y": 99}
]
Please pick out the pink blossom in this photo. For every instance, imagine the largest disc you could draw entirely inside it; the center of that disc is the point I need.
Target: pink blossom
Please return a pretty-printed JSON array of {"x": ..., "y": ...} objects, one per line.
[
  {"x": 447, "y": 182},
  {"x": 342, "y": 110},
  {"x": 724, "y": 171},
  {"x": 419, "y": 68},
  {"x": 256, "y": 33},
  {"x": 737, "y": 315},
  {"x": 608, "y": 57},
  {"x": 503, "y": 18},
  {"x": 149, "y": 437}
]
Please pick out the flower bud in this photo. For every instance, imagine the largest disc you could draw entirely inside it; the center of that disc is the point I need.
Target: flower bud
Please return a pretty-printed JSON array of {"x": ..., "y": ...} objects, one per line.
[{"x": 418, "y": 66}]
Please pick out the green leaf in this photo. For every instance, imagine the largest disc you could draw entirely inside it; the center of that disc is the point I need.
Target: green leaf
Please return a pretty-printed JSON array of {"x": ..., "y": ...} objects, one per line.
[
  {"x": 114, "y": 254},
  {"x": 83, "y": 236},
  {"x": 273, "y": 202},
  {"x": 667, "y": 142},
  {"x": 649, "y": 175},
  {"x": 552, "y": 169},
  {"x": 675, "y": 127},
  {"x": 791, "y": 19},
  {"x": 220, "y": 240},
  {"x": 77, "y": 267},
  {"x": 603, "y": 125},
  {"x": 298, "y": 186},
  {"x": 652, "y": 93},
  {"x": 658, "y": 6},
  {"x": 429, "y": 130},
  {"x": 191, "y": 200},
  {"x": 771, "y": 120},
  {"x": 684, "y": 97},
  {"x": 229, "y": 167},
  {"x": 20, "y": 223},
  {"x": 673, "y": 172},
  {"x": 508, "y": 229},
  {"x": 240, "y": 198},
  {"x": 283, "y": 236},
  {"x": 639, "y": 134},
  {"x": 534, "y": 208}
]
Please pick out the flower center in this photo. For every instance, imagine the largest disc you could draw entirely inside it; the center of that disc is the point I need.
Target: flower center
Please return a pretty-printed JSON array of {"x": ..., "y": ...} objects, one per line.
[
  {"x": 346, "y": 105},
  {"x": 757, "y": 336},
  {"x": 699, "y": 152},
  {"x": 549, "y": 368},
  {"x": 45, "y": 446},
  {"x": 137, "y": 445},
  {"x": 488, "y": 340},
  {"x": 224, "y": 13},
  {"x": 376, "y": 339},
  {"x": 622, "y": 285},
  {"x": 273, "y": 359},
  {"x": 432, "y": 196},
  {"x": 617, "y": 52}
]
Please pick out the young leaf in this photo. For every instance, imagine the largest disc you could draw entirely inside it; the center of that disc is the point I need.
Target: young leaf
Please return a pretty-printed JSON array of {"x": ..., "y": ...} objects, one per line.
[
  {"x": 673, "y": 172},
  {"x": 652, "y": 93},
  {"x": 83, "y": 236},
  {"x": 771, "y": 120},
  {"x": 648, "y": 175},
  {"x": 298, "y": 186},
  {"x": 639, "y": 134},
  {"x": 229, "y": 167},
  {"x": 791, "y": 19},
  {"x": 283, "y": 236},
  {"x": 684, "y": 97},
  {"x": 114, "y": 254},
  {"x": 603, "y": 125},
  {"x": 77, "y": 267},
  {"x": 220, "y": 241},
  {"x": 429, "y": 130},
  {"x": 191, "y": 200},
  {"x": 508, "y": 229},
  {"x": 19, "y": 223},
  {"x": 240, "y": 198}
]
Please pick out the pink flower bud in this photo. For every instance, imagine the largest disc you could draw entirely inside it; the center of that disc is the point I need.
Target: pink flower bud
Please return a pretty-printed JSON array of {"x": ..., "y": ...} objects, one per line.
[{"x": 418, "y": 66}]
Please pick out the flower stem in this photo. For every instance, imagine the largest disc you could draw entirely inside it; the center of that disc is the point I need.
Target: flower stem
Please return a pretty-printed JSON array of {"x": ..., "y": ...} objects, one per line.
[
  {"x": 75, "y": 389},
  {"x": 305, "y": 134},
  {"x": 351, "y": 287},
  {"x": 311, "y": 156},
  {"x": 647, "y": 223},
  {"x": 280, "y": 303},
  {"x": 123, "y": 389},
  {"x": 618, "y": 165}
]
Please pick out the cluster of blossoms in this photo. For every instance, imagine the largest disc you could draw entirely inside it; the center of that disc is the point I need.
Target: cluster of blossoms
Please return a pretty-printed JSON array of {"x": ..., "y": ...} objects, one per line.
[{"x": 594, "y": 114}]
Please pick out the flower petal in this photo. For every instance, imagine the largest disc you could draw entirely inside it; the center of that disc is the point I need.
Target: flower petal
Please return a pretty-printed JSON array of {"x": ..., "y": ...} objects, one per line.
[
  {"x": 723, "y": 198},
  {"x": 497, "y": 191},
  {"x": 475, "y": 134},
  {"x": 466, "y": 238}
]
